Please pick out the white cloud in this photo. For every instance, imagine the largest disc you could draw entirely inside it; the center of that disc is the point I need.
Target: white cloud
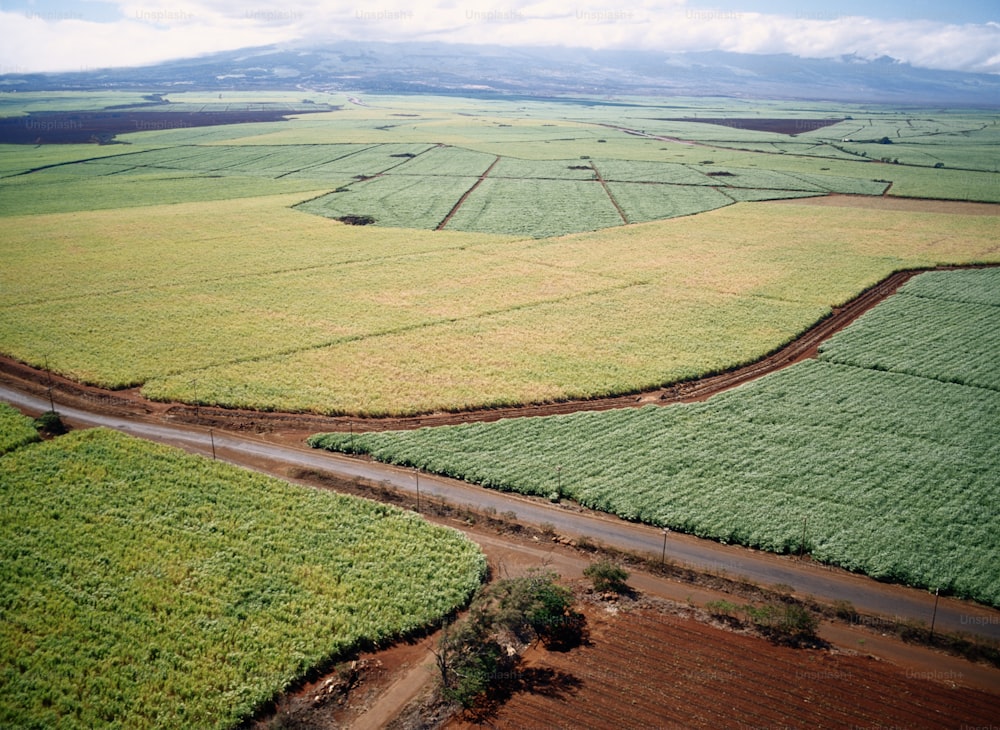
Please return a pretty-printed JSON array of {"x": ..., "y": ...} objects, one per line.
[
  {"x": 154, "y": 34},
  {"x": 155, "y": 30}
]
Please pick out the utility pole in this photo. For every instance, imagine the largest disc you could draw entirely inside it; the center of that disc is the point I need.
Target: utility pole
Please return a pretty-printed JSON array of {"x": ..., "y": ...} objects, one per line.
[
  {"x": 48, "y": 374},
  {"x": 211, "y": 436},
  {"x": 418, "y": 489},
  {"x": 663, "y": 555},
  {"x": 934, "y": 615}
]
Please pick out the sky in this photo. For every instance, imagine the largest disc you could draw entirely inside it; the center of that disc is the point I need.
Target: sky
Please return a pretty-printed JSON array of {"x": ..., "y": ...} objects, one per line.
[{"x": 84, "y": 35}]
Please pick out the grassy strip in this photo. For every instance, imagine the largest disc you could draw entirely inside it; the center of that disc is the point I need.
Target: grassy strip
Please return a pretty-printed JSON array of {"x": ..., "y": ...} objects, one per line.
[{"x": 145, "y": 587}]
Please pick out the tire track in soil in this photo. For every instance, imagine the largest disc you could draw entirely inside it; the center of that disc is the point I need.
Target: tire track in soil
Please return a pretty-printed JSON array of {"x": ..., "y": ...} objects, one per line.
[
  {"x": 804, "y": 347},
  {"x": 466, "y": 194}
]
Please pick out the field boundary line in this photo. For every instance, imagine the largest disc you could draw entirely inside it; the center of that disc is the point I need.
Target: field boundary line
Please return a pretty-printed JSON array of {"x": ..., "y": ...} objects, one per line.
[
  {"x": 466, "y": 194},
  {"x": 607, "y": 190}
]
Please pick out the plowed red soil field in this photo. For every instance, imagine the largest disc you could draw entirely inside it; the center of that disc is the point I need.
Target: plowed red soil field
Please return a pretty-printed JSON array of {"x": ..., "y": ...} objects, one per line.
[
  {"x": 102, "y": 126},
  {"x": 790, "y": 127},
  {"x": 645, "y": 668}
]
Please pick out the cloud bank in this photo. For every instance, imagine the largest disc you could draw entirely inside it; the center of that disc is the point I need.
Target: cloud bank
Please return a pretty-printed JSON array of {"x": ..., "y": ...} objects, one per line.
[{"x": 144, "y": 33}]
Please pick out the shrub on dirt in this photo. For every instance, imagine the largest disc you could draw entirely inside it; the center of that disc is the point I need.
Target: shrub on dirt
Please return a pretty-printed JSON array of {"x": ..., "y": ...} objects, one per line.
[
  {"x": 50, "y": 424},
  {"x": 480, "y": 654},
  {"x": 607, "y": 576},
  {"x": 789, "y": 623}
]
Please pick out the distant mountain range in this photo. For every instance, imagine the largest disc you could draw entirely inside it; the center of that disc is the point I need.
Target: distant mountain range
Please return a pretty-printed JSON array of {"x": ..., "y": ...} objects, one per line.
[{"x": 539, "y": 72}]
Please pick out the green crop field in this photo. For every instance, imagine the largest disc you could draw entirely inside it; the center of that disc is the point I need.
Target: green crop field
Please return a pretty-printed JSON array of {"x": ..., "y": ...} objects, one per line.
[
  {"x": 401, "y": 201},
  {"x": 16, "y": 430},
  {"x": 894, "y": 337},
  {"x": 643, "y": 202},
  {"x": 144, "y": 587},
  {"x": 535, "y": 207},
  {"x": 889, "y": 473}
]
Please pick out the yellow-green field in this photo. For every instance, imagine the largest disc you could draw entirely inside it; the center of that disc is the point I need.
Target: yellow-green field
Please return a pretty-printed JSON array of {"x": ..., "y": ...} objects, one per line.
[{"x": 250, "y": 303}]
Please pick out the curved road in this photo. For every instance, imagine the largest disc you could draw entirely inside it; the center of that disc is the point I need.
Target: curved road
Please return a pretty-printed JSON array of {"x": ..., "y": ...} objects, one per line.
[{"x": 805, "y": 578}]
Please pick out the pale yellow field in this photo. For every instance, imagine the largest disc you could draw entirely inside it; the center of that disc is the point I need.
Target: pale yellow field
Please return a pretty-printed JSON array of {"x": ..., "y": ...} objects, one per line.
[
  {"x": 661, "y": 302},
  {"x": 249, "y": 302}
]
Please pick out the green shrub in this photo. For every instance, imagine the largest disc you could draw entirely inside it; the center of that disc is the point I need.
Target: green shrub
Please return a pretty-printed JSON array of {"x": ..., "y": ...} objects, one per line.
[
  {"x": 607, "y": 576},
  {"x": 50, "y": 423}
]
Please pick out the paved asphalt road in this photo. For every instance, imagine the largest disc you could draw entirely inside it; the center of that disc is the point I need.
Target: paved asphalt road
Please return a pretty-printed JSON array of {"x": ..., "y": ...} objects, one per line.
[{"x": 805, "y": 578}]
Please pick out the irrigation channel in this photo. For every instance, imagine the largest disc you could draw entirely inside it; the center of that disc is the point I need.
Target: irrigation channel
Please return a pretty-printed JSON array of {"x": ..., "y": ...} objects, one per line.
[{"x": 803, "y": 577}]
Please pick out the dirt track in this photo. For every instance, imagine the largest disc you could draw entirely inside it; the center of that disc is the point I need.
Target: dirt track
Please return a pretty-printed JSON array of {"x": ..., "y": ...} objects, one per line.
[{"x": 296, "y": 426}]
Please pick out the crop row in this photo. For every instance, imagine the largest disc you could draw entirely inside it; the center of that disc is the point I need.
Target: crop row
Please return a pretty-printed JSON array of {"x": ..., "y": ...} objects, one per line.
[
  {"x": 145, "y": 587},
  {"x": 958, "y": 286},
  {"x": 881, "y": 472},
  {"x": 249, "y": 317}
]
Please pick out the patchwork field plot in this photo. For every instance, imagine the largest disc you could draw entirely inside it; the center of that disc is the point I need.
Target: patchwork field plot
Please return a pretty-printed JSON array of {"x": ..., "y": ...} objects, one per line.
[
  {"x": 894, "y": 337},
  {"x": 642, "y": 202},
  {"x": 411, "y": 185},
  {"x": 886, "y": 473},
  {"x": 535, "y": 207},
  {"x": 402, "y": 201},
  {"x": 145, "y": 587}
]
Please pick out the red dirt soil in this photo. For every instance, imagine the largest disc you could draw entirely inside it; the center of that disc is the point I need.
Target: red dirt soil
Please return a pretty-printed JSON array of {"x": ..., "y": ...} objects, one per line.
[
  {"x": 649, "y": 668},
  {"x": 102, "y": 126},
  {"x": 791, "y": 127}
]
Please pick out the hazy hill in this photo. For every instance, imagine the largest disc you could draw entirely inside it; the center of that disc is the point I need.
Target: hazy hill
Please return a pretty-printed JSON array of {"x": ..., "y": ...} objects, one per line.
[{"x": 446, "y": 68}]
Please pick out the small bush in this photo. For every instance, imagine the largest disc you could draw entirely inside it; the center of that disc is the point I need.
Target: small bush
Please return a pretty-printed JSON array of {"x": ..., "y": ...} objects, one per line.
[
  {"x": 50, "y": 423},
  {"x": 480, "y": 653},
  {"x": 607, "y": 576}
]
